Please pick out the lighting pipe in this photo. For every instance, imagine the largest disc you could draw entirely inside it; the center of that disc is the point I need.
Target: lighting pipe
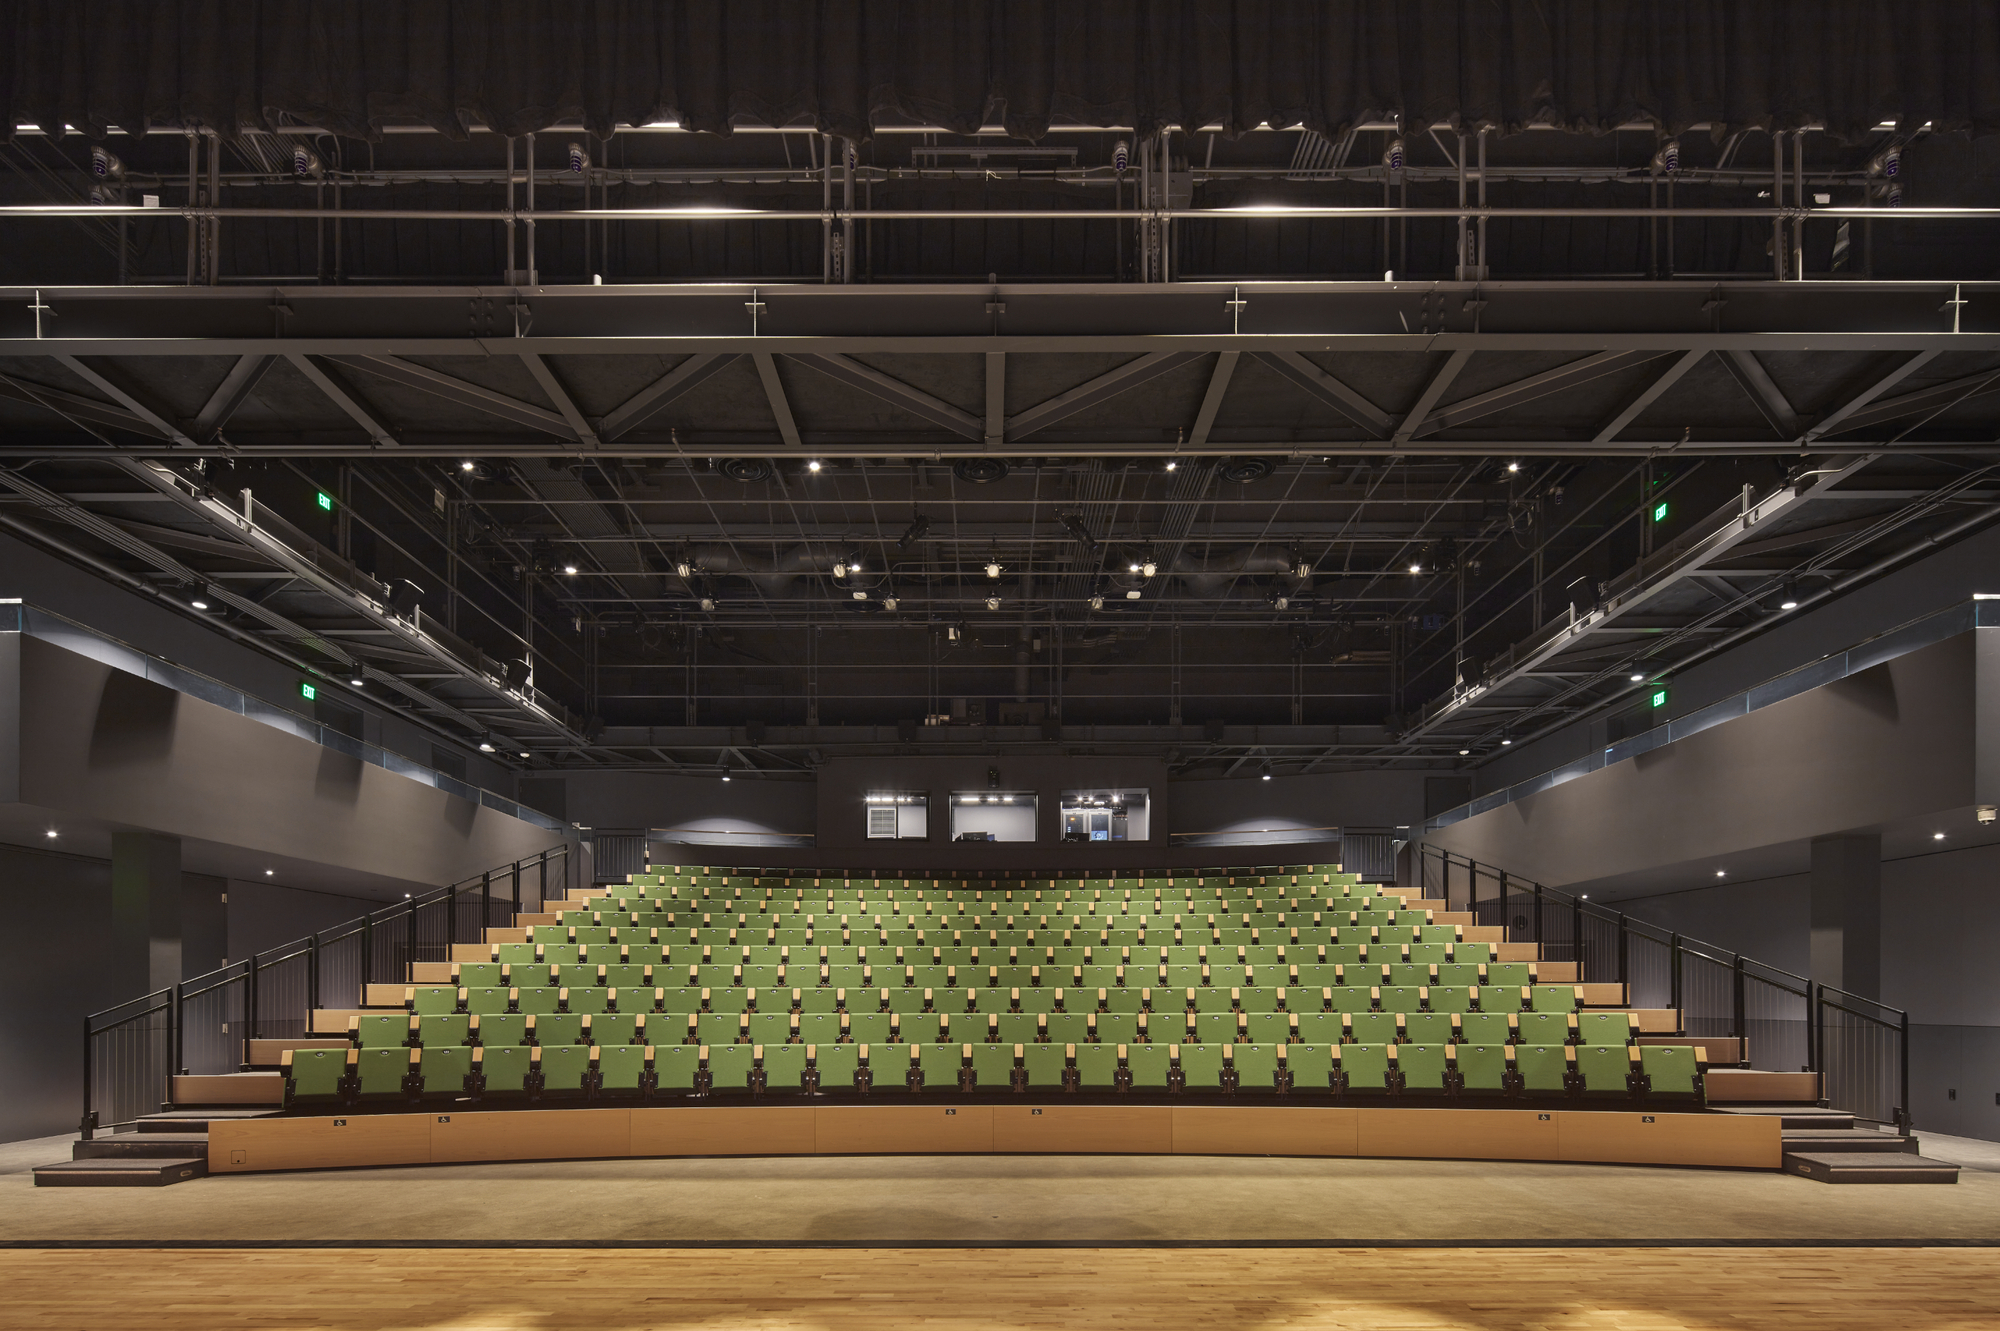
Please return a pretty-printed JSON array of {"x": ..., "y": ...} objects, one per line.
[{"x": 826, "y": 217}]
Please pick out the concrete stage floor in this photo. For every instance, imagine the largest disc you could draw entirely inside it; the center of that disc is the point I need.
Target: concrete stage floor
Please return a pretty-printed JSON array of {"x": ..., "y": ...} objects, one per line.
[{"x": 1007, "y": 1200}]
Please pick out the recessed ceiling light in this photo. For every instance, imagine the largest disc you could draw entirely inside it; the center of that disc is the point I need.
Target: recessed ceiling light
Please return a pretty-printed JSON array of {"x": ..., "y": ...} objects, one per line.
[
  {"x": 813, "y": 465},
  {"x": 1173, "y": 466},
  {"x": 199, "y": 605},
  {"x": 1506, "y": 741},
  {"x": 485, "y": 746},
  {"x": 569, "y": 570},
  {"x": 1513, "y": 466},
  {"x": 1937, "y": 836},
  {"x": 52, "y": 834},
  {"x": 1720, "y": 873},
  {"x": 1638, "y": 679},
  {"x": 1416, "y": 568},
  {"x": 466, "y": 466},
  {"x": 1464, "y": 752},
  {"x": 269, "y": 872},
  {"x": 357, "y": 681}
]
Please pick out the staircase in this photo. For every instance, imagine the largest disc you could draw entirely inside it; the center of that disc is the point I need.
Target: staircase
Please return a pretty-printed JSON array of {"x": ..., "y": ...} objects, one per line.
[
  {"x": 168, "y": 1147},
  {"x": 1824, "y": 1144}
]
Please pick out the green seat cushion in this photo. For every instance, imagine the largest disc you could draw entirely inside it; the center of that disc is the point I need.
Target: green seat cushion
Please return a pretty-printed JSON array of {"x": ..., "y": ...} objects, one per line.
[
  {"x": 676, "y": 1065},
  {"x": 837, "y": 1064},
  {"x": 1423, "y": 1067},
  {"x": 1097, "y": 1064},
  {"x": 563, "y": 1069},
  {"x": 1483, "y": 1068},
  {"x": 1149, "y": 1064},
  {"x": 784, "y": 1065},
  {"x": 505, "y": 1068},
  {"x": 382, "y": 1072},
  {"x": 1366, "y": 1066},
  {"x": 1541, "y": 1067},
  {"x": 1201, "y": 1066},
  {"x": 316, "y": 1073},
  {"x": 619, "y": 1067},
  {"x": 729, "y": 1066},
  {"x": 1605, "y": 1069}
]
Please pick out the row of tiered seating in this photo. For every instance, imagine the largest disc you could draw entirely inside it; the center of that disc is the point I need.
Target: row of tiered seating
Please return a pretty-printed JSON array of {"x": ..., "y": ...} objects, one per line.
[{"x": 1297, "y": 980}]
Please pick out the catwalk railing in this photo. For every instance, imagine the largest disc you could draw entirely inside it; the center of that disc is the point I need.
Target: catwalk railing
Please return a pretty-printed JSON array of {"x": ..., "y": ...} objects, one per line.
[
  {"x": 1860, "y": 1048},
  {"x": 132, "y": 1052}
]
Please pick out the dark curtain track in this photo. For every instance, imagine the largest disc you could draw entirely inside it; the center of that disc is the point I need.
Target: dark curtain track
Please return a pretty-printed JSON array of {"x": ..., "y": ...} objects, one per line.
[{"x": 520, "y": 65}]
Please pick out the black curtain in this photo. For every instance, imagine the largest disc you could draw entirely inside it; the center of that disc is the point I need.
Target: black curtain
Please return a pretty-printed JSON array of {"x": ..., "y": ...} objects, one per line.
[{"x": 845, "y": 65}]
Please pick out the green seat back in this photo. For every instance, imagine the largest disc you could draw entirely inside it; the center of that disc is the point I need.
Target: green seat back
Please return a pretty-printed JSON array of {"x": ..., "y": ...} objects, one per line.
[
  {"x": 1605, "y": 1069},
  {"x": 1671, "y": 1069},
  {"x": 784, "y": 1065},
  {"x": 1483, "y": 1068},
  {"x": 1405, "y": 975},
  {"x": 1541, "y": 1028},
  {"x": 445, "y": 1069},
  {"x": 1350, "y": 998},
  {"x": 1311, "y": 1066},
  {"x": 1423, "y": 1067},
  {"x": 613, "y": 1028},
  {"x": 1371, "y": 1027},
  {"x": 381, "y": 1032},
  {"x": 538, "y": 999},
  {"x": 1016, "y": 1028},
  {"x": 382, "y": 1072},
  {"x": 1505, "y": 974},
  {"x": 433, "y": 999},
  {"x": 837, "y": 1064},
  {"x": 1402, "y": 998},
  {"x": 558, "y": 1028},
  {"x": 819, "y": 1028},
  {"x": 503, "y": 1028},
  {"x": 940, "y": 1064},
  {"x": 479, "y": 974},
  {"x": 619, "y": 1067},
  {"x": 1541, "y": 1067},
  {"x": 1201, "y": 1065},
  {"x": 576, "y": 977},
  {"x": 729, "y": 1066},
  {"x": 1149, "y": 1064},
  {"x": 487, "y": 999},
  {"x": 1045, "y": 1064},
  {"x": 590, "y": 999},
  {"x": 563, "y": 1069},
  {"x": 994, "y": 1065},
  {"x": 316, "y": 1073},
  {"x": 1427, "y": 1028},
  {"x": 1256, "y": 1066},
  {"x": 1553, "y": 998},
  {"x": 1096, "y": 1064},
  {"x": 1604, "y": 1028},
  {"x": 1366, "y": 1066},
  {"x": 1319, "y": 1027},
  {"x": 623, "y": 977},
  {"x": 814, "y": 999},
  {"x": 444, "y": 1030},
  {"x": 505, "y": 1068},
  {"x": 770, "y": 1028},
  {"x": 675, "y": 1066}
]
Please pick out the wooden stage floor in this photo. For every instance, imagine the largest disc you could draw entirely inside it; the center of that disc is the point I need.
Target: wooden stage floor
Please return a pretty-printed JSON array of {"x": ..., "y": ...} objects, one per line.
[{"x": 1150, "y": 1289}]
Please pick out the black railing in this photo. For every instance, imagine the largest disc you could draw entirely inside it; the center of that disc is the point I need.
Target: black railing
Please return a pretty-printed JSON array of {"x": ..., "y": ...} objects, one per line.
[
  {"x": 205, "y": 1024},
  {"x": 1784, "y": 1022}
]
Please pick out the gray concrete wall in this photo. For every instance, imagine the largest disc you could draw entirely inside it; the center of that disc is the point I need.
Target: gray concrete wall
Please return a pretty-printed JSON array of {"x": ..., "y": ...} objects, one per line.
[
  {"x": 99, "y": 743},
  {"x": 58, "y": 910},
  {"x": 1892, "y": 742}
]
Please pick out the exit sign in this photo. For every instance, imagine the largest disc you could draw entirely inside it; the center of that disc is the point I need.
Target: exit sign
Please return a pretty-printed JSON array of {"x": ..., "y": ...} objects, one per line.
[
  {"x": 326, "y": 502},
  {"x": 1659, "y": 698},
  {"x": 1659, "y": 510},
  {"x": 308, "y": 691}
]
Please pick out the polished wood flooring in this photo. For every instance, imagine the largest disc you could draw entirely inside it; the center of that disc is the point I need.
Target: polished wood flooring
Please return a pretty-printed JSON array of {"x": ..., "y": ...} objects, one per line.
[{"x": 1627, "y": 1289}]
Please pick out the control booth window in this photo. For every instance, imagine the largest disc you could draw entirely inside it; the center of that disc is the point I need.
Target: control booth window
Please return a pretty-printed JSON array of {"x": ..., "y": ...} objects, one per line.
[
  {"x": 898, "y": 815},
  {"x": 992, "y": 815},
  {"x": 1105, "y": 815}
]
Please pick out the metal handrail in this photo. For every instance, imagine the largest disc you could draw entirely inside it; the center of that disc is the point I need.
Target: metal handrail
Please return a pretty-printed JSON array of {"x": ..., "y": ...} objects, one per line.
[
  {"x": 176, "y": 1000},
  {"x": 1880, "y": 1018}
]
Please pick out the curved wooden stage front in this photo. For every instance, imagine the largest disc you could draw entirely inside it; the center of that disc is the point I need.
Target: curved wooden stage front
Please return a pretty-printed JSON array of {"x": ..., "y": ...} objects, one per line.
[{"x": 447, "y": 1136}]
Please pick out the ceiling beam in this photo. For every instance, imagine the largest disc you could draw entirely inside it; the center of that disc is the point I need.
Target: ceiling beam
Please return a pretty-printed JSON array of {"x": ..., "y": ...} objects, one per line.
[
  {"x": 1329, "y": 391},
  {"x": 341, "y": 396},
  {"x": 126, "y": 396},
  {"x": 412, "y": 375},
  {"x": 1936, "y": 397},
  {"x": 774, "y": 393},
  {"x": 1646, "y": 396},
  {"x": 1413, "y": 419},
  {"x": 1101, "y": 389},
  {"x": 1748, "y": 371},
  {"x": 1875, "y": 388},
  {"x": 1523, "y": 391},
  {"x": 1211, "y": 401},
  {"x": 86, "y": 410},
  {"x": 996, "y": 399},
  {"x": 895, "y": 392},
  {"x": 559, "y": 395},
  {"x": 663, "y": 392},
  {"x": 237, "y": 385}
]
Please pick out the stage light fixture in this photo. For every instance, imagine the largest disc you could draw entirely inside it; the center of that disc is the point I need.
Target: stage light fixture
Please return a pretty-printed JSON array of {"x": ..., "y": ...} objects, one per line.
[
  {"x": 577, "y": 158},
  {"x": 683, "y": 569},
  {"x": 993, "y": 570},
  {"x": 569, "y": 570},
  {"x": 1788, "y": 599},
  {"x": 104, "y": 165},
  {"x": 913, "y": 533},
  {"x": 813, "y": 466},
  {"x": 840, "y": 569},
  {"x": 1173, "y": 466},
  {"x": 708, "y": 603},
  {"x": 199, "y": 604},
  {"x": 1416, "y": 568},
  {"x": 306, "y": 163},
  {"x": 1132, "y": 595},
  {"x": 992, "y": 603},
  {"x": 860, "y": 596},
  {"x": 889, "y": 603},
  {"x": 1149, "y": 568},
  {"x": 486, "y": 746},
  {"x": 1097, "y": 603},
  {"x": 1513, "y": 466}
]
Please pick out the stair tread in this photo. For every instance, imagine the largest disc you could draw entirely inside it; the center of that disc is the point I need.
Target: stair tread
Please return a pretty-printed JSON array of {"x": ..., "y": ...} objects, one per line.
[{"x": 119, "y": 1165}]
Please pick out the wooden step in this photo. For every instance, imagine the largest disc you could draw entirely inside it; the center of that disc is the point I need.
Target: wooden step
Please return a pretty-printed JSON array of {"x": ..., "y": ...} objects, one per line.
[
  {"x": 1723, "y": 1050},
  {"x": 120, "y": 1173},
  {"x": 1794, "y": 1116},
  {"x": 1818, "y": 1141},
  {"x": 1745, "y": 1086},
  {"x": 142, "y": 1146},
  {"x": 1868, "y": 1167},
  {"x": 230, "y": 1088},
  {"x": 268, "y": 1054},
  {"x": 197, "y": 1120}
]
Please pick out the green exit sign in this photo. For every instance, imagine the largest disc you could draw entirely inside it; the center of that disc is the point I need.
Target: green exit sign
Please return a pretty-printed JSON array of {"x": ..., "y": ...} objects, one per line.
[
  {"x": 1659, "y": 510},
  {"x": 326, "y": 502},
  {"x": 307, "y": 691},
  {"x": 1659, "y": 698}
]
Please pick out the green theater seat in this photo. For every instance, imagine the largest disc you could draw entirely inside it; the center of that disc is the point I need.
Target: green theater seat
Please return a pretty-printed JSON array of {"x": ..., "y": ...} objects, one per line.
[{"x": 315, "y": 1076}]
